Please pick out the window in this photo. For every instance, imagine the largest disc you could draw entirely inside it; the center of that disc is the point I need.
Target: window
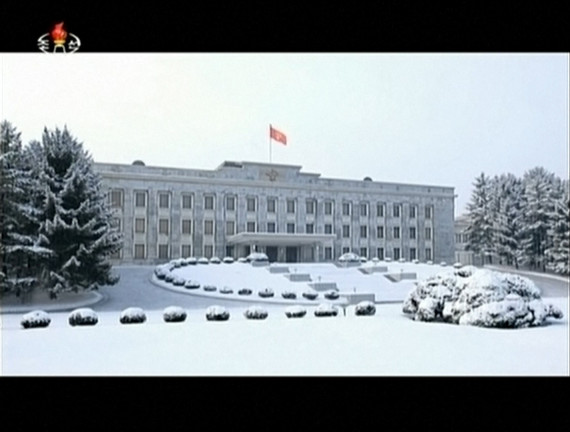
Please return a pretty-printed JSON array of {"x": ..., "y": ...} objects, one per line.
[
  {"x": 164, "y": 200},
  {"x": 250, "y": 227},
  {"x": 396, "y": 232},
  {"x": 364, "y": 252},
  {"x": 328, "y": 253},
  {"x": 396, "y": 210},
  {"x": 328, "y": 229},
  {"x": 208, "y": 251},
  {"x": 428, "y": 233},
  {"x": 412, "y": 211},
  {"x": 328, "y": 207},
  {"x": 363, "y": 209},
  {"x": 186, "y": 251},
  {"x": 230, "y": 227},
  {"x": 428, "y": 254},
  {"x": 309, "y": 228},
  {"x": 396, "y": 254},
  {"x": 270, "y": 227},
  {"x": 291, "y": 228},
  {"x": 346, "y": 231},
  {"x": 457, "y": 238},
  {"x": 380, "y": 210},
  {"x": 290, "y": 206},
  {"x": 163, "y": 251},
  {"x": 429, "y": 212},
  {"x": 251, "y": 204},
  {"x": 140, "y": 225},
  {"x": 271, "y": 205},
  {"x": 346, "y": 209},
  {"x": 116, "y": 198},
  {"x": 208, "y": 202},
  {"x": 230, "y": 203},
  {"x": 186, "y": 201},
  {"x": 140, "y": 199},
  {"x": 208, "y": 227},
  {"x": 139, "y": 251},
  {"x": 310, "y": 207},
  {"x": 363, "y": 231},
  {"x": 413, "y": 254},
  {"x": 380, "y": 232},
  {"x": 380, "y": 253},
  {"x": 116, "y": 223},
  {"x": 412, "y": 233},
  {"x": 186, "y": 226},
  {"x": 163, "y": 226},
  {"x": 345, "y": 249}
]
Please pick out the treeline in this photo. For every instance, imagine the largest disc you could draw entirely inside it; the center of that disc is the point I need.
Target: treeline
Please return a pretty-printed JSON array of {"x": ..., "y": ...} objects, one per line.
[
  {"x": 56, "y": 231},
  {"x": 521, "y": 221}
]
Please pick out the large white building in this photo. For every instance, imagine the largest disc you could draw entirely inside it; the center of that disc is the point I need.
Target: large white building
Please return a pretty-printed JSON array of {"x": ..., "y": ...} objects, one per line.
[{"x": 290, "y": 215}]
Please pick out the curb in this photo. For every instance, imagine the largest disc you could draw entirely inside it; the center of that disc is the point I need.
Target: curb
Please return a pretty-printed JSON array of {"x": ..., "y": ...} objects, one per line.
[{"x": 13, "y": 309}]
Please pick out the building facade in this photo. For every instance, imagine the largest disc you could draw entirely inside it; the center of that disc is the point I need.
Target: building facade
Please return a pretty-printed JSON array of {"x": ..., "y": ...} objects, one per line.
[{"x": 292, "y": 216}]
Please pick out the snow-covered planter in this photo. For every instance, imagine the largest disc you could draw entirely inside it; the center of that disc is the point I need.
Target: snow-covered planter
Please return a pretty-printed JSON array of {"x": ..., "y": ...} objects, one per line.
[
  {"x": 388, "y": 259},
  {"x": 457, "y": 265},
  {"x": 310, "y": 294},
  {"x": 429, "y": 262},
  {"x": 266, "y": 292},
  {"x": 242, "y": 260},
  {"x": 174, "y": 314},
  {"x": 245, "y": 291},
  {"x": 443, "y": 263},
  {"x": 289, "y": 295},
  {"x": 191, "y": 261},
  {"x": 203, "y": 260},
  {"x": 228, "y": 260},
  {"x": 226, "y": 290},
  {"x": 416, "y": 261},
  {"x": 215, "y": 260},
  {"x": 331, "y": 294},
  {"x": 402, "y": 260},
  {"x": 82, "y": 317},
  {"x": 255, "y": 313},
  {"x": 363, "y": 259},
  {"x": 326, "y": 310},
  {"x": 178, "y": 281},
  {"x": 365, "y": 308},
  {"x": 479, "y": 297},
  {"x": 169, "y": 277},
  {"x": 349, "y": 257},
  {"x": 192, "y": 284},
  {"x": 35, "y": 319},
  {"x": 217, "y": 313},
  {"x": 161, "y": 271},
  {"x": 375, "y": 260},
  {"x": 132, "y": 315},
  {"x": 295, "y": 312},
  {"x": 210, "y": 288},
  {"x": 257, "y": 257}
]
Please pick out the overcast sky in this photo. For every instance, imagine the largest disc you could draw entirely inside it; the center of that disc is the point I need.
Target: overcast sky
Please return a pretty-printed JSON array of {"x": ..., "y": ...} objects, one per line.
[{"x": 437, "y": 119}]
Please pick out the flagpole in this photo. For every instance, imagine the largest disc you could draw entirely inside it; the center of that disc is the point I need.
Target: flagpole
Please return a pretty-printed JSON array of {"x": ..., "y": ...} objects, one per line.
[{"x": 269, "y": 143}]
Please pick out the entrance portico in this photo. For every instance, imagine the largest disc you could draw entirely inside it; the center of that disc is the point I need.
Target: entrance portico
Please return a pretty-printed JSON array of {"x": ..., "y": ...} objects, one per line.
[{"x": 283, "y": 247}]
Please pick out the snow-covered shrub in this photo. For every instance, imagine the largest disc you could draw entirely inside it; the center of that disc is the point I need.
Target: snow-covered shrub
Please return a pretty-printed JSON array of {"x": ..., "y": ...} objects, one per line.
[
  {"x": 228, "y": 260},
  {"x": 215, "y": 260},
  {"x": 365, "y": 308},
  {"x": 388, "y": 259},
  {"x": 429, "y": 262},
  {"x": 326, "y": 310},
  {"x": 226, "y": 290},
  {"x": 192, "y": 284},
  {"x": 257, "y": 256},
  {"x": 217, "y": 313},
  {"x": 132, "y": 315},
  {"x": 82, "y": 316},
  {"x": 443, "y": 263},
  {"x": 349, "y": 257},
  {"x": 479, "y": 297},
  {"x": 402, "y": 260},
  {"x": 310, "y": 294},
  {"x": 375, "y": 260},
  {"x": 161, "y": 271},
  {"x": 178, "y": 281},
  {"x": 35, "y": 319},
  {"x": 203, "y": 260},
  {"x": 242, "y": 260},
  {"x": 174, "y": 314},
  {"x": 245, "y": 291},
  {"x": 169, "y": 277},
  {"x": 457, "y": 265},
  {"x": 295, "y": 312},
  {"x": 256, "y": 313},
  {"x": 210, "y": 288},
  {"x": 266, "y": 292},
  {"x": 289, "y": 295},
  {"x": 416, "y": 261},
  {"x": 331, "y": 294},
  {"x": 191, "y": 260}
]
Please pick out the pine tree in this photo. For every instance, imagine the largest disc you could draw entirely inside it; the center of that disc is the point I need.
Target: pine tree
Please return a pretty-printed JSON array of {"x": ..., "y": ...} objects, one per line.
[
  {"x": 558, "y": 253},
  {"x": 480, "y": 230},
  {"x": 76, "y": 218}
]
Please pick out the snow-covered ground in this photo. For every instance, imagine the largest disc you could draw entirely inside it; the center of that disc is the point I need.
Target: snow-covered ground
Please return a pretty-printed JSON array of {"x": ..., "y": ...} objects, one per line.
[{"x": 388, "y": 343}]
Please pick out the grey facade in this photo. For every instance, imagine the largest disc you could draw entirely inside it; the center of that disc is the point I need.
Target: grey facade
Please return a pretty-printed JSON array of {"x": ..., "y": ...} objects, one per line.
[{"x": 240, "y": 207}]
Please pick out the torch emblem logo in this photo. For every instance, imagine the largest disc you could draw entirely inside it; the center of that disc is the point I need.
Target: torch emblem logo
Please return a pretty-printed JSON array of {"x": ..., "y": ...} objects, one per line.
[{"x": 58, "y": 40}]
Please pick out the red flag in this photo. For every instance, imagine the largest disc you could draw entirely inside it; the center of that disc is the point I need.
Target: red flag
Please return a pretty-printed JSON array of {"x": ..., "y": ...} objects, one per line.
[{"x": 277, "y": 136}]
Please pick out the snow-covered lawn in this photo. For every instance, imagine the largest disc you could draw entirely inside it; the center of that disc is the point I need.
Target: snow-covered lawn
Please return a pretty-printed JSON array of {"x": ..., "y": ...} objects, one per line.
[{"x": 387, "y": 343}]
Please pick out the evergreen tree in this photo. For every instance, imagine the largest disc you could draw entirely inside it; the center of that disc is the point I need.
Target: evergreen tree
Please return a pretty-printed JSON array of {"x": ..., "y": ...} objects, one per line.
[
  {"x": 558, "y": 253},
  {"x": 480, "y": 230},
  {"x": 76, "y": 217}
]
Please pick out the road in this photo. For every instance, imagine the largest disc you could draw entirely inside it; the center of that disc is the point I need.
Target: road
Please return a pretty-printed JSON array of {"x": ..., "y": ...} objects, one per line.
[{"x": 550, "y": 285}]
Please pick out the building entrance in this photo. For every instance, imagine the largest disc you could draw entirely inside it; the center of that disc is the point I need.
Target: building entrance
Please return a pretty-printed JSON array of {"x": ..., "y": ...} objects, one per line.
[
  {"x": 271, "y": 252},
  {"x": 291, "y": 254}
]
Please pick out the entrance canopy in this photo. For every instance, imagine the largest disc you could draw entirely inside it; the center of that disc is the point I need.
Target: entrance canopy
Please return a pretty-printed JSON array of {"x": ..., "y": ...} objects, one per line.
[{"x": 279, "y": 239}]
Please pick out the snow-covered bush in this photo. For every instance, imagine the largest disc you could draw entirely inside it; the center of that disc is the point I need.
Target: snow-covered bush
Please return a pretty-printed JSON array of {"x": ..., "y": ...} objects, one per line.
[
  {"x": 295, "y": 312},
  {"x": 82, "y": 316},
  {"x": 266, "y": 292},
  {"x": 289, "y": 295},
  {"x": 402, "y": 260},
  {"x": 210, "y": 288},
  {"x": 132, "y": 315},
  {"x": 178, "y": 281},
  {"x": 169, "y": 277},
  {"x": 217, "y": 313},
  {"x": 226, "y": 290},
  {"x": 331, "y": 294},
  {"x": 479, "y": 297},
  {"x": 257, "y": 256},
  {"x": 192, "y": 284},
  {"x": 443, "y": 263},
  {"x": 388, "y": 259},
  {"x": 326, "y": 310},
  {"x": 375, "y": 260},
  {"x": 174, "y": 314},
  {"x": 256, "y": 313},
  {"x": 215, "y": 260},
  {"x": 161, "y": 271},
  {"x": 310, "y": 294},
  {"x": 457, "y": 265},
  {"x": 349, "y": 257},
  {"x": 35, "y": 319},
  {"x": 429, "y": 262},
  {"x": 191, "y": 260},
  {"x": 365, "y": 308},
  {"x": 228, "y": 260},
  {"x": 203, "y": 260},
  {"x": 242, "y": 260},
  {"x": 416, "y": 261},
  {"x": 245, "y": 291}
]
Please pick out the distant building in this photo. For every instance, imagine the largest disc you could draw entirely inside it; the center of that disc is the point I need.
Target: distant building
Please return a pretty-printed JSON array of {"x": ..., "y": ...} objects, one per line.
[{"x": 292, "y": 216}]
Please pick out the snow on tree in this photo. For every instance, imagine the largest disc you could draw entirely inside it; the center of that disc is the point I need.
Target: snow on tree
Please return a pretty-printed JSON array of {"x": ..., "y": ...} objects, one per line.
[
  {"x": 558, "y": 253},
  {"x": 480, "y": 228},
  {"x": 479, "y": 297},
  {"x": 76, "y": 219}
]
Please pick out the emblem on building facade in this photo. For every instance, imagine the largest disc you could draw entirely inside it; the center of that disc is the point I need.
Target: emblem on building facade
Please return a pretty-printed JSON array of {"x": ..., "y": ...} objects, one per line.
[
  {"x": 272, "y": 175},
  {"x": 58, "y": 40}
]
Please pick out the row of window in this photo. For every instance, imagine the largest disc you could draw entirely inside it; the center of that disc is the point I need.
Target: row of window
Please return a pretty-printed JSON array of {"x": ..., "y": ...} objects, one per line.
[
  {"x": 116, "y": 200},
  {"x": 186, "y": 228}
]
